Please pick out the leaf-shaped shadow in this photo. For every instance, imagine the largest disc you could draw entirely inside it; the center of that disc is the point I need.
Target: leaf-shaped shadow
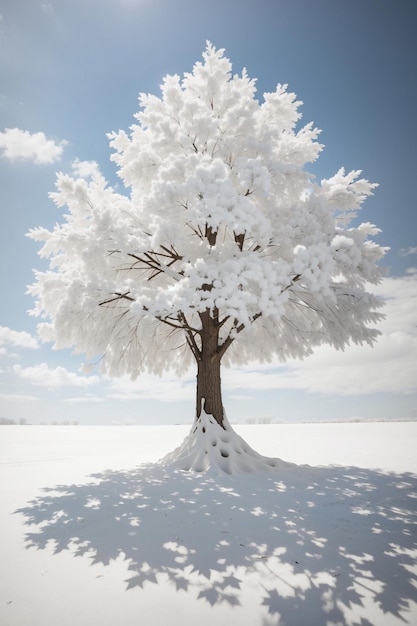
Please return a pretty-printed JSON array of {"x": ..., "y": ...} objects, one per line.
[{"x": 314, "y": 541}]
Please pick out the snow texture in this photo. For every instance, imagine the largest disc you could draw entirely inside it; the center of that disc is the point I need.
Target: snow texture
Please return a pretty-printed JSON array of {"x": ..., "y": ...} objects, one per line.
[
  {"x": 219, "y": 214},
  {"x": 214, "y": 449},
  {"x": 90, "y": 537}
]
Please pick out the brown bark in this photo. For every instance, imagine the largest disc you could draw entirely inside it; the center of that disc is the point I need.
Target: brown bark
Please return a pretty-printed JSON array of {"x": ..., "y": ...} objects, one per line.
[{"x": 209, "y": 395}]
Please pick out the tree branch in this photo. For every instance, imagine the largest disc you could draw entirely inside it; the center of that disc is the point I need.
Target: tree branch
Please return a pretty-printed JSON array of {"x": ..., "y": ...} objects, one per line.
[
  {"x": 240, "y": 240},
  {"x": 210, "y": 235},
  {"x": 239, "y": 327},
  {"x": 151, "y": 262},
  {"x": 166, "y": 320},
  {"x": 118, "y": 296},
  {"x": 190, "y": 335}
]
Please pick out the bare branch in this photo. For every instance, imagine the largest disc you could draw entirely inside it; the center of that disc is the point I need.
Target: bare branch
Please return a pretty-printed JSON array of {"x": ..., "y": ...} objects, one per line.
[
  {"x": 195, "y": 231},
  {"x": 238, "y": 329},
  {"x": 151, "y": 261},
  {"x": 166, "y": 320},
  {"x": 223, "y": 321},
  {"x": 118, "y": 296},
  {"x": 190, "y": 334}
]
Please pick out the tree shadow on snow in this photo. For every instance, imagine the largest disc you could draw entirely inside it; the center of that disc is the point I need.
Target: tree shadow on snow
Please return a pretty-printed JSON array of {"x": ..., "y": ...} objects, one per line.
[{"x": 317, "y": 544}]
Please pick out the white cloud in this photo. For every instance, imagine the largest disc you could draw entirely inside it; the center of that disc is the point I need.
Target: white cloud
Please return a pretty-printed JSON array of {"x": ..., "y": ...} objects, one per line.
[
  {"x": 408, "y": 251},
  {"x": 390, "y": 366},
  {"x": 17, "y": 397},
  {"x": 147, "y": 387},
  {"x": 17, "y": 338},
  {"x": 400, "y": 295},
  {"x": 44, "y": 376},
  {"x": 21, "y": 144},
  {"x": 47, "y": 8},
  {"x": 240, "y": 397},
  {"x": 84, "y": 399},
  {"x": 85, "y": 169}
]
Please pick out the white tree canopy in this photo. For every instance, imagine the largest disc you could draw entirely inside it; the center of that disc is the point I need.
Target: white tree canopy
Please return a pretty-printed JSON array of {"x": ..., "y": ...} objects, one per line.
[{"x": 221, "y": 217}]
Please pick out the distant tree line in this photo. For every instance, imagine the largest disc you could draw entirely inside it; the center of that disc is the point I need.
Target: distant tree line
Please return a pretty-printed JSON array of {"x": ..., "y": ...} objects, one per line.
[
  {"x": 5, "y": 421},
  {"x": 259, "y": 420}
]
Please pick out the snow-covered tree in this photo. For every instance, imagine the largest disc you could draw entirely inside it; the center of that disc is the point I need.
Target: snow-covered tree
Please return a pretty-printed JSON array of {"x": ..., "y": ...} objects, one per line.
[{"x": 224, "y": 249}]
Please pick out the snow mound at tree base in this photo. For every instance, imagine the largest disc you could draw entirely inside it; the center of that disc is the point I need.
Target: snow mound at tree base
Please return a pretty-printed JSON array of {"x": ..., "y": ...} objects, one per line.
[{"x": 209, "y": 447}]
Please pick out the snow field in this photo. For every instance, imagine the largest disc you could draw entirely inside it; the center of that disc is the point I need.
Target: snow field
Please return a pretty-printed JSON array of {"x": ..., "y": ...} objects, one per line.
[{"x": 92, "y": 536}]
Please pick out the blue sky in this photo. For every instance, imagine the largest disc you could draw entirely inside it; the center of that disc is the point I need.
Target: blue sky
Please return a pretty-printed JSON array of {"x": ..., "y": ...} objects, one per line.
[{"x": 71, "y": 71}]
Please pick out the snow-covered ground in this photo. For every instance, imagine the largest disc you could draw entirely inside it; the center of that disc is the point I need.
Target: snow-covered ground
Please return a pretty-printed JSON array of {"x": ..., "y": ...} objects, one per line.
[{"x": 93, "y": 533}]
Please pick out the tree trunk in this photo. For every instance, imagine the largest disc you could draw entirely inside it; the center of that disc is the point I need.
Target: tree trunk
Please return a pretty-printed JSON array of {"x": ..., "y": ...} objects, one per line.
[
  {"x": 209, "y": 395},
  {"x": 212, "y": 443}
]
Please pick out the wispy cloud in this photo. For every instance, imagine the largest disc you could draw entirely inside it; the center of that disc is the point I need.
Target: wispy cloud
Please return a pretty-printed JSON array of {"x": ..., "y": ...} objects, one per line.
[
  {"x": 17, "y": 338},
  {"x": 36, "y": 147},
  {"x": 147, "y": 387},
  {"x": 390, "y": 366},
  {"x": 47, "y": 8},
  {"x": 18, "y": 397},
  {"x": 84, "y": 399},
  {"x": 240, "y": 397},
  {"x": 85, "y": 169},
  {"x": 58, "y": 377},
  {"x": 411, "y": 250}
]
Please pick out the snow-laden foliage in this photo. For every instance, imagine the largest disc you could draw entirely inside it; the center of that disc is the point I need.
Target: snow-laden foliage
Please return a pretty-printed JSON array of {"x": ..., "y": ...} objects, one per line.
[{"x": 220, "y": 216}]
